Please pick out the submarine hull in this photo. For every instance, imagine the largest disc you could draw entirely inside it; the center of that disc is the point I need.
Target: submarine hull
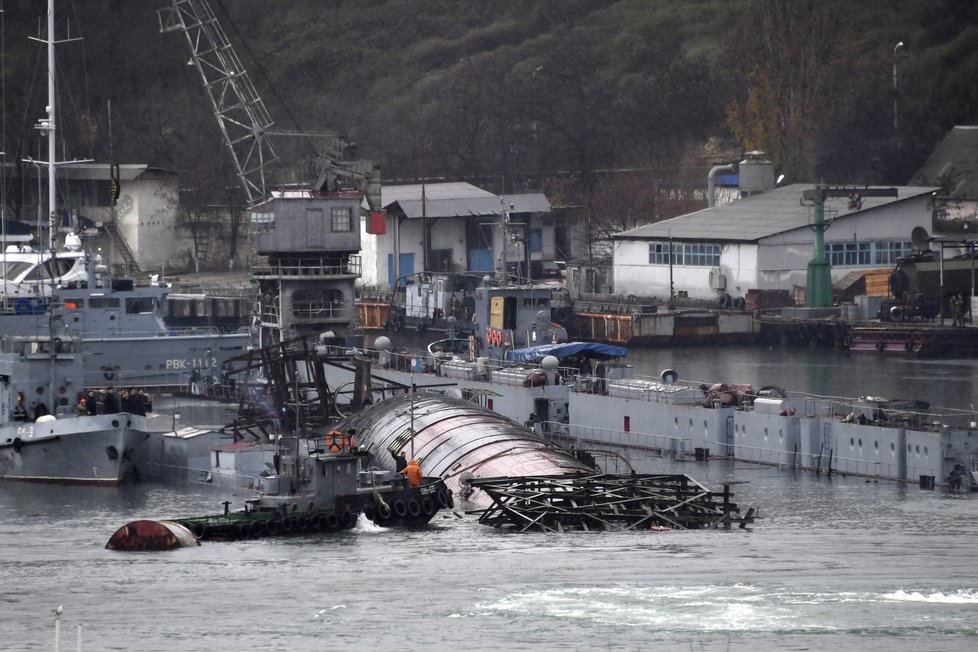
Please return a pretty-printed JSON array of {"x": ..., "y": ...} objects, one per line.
[{"x": 456, "y": 440}]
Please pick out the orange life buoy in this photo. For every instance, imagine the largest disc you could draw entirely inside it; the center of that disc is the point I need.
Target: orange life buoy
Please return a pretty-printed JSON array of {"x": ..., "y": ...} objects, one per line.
[{"x": 334, "y": 441}]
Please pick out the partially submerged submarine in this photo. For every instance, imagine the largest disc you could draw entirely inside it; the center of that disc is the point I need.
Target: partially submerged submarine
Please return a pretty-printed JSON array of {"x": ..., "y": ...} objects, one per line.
[{"x": 457, "y": 441}]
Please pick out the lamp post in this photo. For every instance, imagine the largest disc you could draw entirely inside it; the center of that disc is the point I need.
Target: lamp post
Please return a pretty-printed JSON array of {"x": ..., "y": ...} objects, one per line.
[{"x": 895, "y": 88}]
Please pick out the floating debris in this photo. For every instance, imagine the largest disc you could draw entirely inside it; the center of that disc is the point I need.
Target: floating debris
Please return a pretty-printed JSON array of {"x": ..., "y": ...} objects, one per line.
[{"x": 607, "y": 502}]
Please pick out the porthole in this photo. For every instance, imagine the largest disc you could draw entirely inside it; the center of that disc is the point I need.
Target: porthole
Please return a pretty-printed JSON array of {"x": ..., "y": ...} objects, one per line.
[
  {"x": 860, "y": 442},
  {"x": 852, "y": 442}
]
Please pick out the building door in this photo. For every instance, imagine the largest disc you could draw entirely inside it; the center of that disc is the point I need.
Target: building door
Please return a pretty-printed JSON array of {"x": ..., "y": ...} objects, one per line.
[{"x": 406, "y": 265}]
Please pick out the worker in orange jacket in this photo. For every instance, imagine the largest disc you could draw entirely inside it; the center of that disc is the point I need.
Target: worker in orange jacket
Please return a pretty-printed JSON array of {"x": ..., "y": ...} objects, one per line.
[{"x": 413, "y": 473}]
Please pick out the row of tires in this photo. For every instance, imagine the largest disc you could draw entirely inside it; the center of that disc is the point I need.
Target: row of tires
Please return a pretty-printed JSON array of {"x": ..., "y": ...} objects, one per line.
[
  {"x": 274, "y": 527},
  {"x": 411, "y": 508}
]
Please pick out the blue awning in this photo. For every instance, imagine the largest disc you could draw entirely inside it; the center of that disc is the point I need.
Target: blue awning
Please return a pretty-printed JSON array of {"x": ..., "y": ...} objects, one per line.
[{"x": 587, "y": 349}]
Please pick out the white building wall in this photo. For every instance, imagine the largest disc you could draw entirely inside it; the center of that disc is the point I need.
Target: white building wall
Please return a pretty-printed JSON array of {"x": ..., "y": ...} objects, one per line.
[
  {"x": 149, "y": 226},
  {"x": 449, "y": 234},
  {"x": 779, "y": 262},
  {"x": 369, "y": 254}
]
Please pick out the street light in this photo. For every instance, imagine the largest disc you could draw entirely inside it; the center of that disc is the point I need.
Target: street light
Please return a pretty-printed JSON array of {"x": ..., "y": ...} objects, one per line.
[{"x": 895, "y": 90}]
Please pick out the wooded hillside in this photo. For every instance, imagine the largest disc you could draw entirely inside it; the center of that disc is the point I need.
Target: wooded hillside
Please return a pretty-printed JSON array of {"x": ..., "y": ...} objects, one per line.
[{"x": 513, "y": 94}]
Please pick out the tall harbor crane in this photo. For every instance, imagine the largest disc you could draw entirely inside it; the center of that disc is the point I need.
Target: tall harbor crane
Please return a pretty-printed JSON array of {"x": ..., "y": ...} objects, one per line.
[
  {"x": 239, "y": 109},
  {"x": 307, "y": 241}
]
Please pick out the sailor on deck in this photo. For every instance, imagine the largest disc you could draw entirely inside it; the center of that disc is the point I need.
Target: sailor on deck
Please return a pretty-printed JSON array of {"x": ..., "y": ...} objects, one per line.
[
  {"x": 413, "y": 473},
  {"x": 400, "y": 462}
]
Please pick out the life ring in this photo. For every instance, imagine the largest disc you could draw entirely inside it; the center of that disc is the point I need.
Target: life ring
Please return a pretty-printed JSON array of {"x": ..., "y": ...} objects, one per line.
[
  {"x": 414, "y": 508},
  {"x": 880, "y": 345},
  {"x": 23, "y": 306},
  {"x": 427, "y": 506},
  {"x": 108, "y": 373},
  {"x": 334, "y": 441},
  {"x": 400, "y": 508},
  {"x": 442, "y": 499},
  {"x": 384, "y": 510}
]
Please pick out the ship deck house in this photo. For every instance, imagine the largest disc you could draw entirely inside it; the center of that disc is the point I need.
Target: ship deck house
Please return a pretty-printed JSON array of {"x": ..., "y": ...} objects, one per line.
[{"x": 765, "y": 242}]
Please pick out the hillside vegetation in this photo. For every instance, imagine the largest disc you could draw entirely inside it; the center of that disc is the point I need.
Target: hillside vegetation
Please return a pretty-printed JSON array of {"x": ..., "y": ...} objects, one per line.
[{"x": 513, "y": 94}]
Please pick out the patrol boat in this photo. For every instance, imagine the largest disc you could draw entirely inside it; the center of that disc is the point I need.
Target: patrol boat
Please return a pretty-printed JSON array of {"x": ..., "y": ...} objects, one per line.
[
  {"x": 119, "y": 324},
  {"x": 43, "y": 438}
]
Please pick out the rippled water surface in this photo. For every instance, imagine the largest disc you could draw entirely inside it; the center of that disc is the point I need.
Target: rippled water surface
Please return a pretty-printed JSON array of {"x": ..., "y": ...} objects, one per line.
[{"x": 833, "y": 564}]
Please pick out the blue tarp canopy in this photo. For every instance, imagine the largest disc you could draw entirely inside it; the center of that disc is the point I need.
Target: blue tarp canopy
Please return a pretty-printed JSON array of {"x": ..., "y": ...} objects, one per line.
[{"x": 587, "y": 349}]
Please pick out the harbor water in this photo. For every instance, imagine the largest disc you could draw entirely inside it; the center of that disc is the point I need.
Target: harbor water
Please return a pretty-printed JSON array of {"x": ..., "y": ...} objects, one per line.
[{"x": 833, "y": 562}]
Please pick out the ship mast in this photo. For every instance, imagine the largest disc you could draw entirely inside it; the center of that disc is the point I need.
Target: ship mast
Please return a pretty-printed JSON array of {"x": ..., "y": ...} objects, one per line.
[{"x": 52, "y": 190}]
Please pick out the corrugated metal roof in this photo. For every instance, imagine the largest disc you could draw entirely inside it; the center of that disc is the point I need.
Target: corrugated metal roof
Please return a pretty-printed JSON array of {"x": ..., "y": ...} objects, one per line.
[
  {"x": 458, "y": 199},
  {"x": 953, "y": 162},
  {"x": 100, "y": 171},
  {"x": 759, "y": 216}
]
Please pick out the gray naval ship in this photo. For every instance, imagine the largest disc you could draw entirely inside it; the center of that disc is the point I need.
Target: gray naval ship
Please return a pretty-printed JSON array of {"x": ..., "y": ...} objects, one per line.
[
  {"x": 68, "y": 294},
  {"x": 44, "y": 436}
]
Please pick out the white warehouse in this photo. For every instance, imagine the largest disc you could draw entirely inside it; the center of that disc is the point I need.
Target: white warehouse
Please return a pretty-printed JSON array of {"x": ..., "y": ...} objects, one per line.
[{"x": 765, "y": 242}]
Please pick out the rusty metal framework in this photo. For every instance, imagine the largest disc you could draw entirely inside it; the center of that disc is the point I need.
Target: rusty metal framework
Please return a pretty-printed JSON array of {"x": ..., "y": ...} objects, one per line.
[{"x": 607, "y": 502}]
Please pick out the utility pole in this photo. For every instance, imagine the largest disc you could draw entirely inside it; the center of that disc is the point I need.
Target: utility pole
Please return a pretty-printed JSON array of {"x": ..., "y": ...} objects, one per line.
[{"x": 896, "y": 91}]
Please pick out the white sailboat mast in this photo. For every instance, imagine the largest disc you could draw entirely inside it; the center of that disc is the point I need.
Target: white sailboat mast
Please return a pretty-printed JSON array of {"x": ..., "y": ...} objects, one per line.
[{"x": 52, "y": 188}]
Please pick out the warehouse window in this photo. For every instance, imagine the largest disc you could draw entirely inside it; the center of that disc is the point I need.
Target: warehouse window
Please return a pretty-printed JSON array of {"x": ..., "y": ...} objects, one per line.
[
  {"x": 854, "y": 253},
  {"x": 687, "y": 254}
]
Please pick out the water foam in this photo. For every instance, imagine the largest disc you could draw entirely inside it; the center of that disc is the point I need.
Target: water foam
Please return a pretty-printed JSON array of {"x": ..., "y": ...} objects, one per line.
[{"x": 962, "y": 596}]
